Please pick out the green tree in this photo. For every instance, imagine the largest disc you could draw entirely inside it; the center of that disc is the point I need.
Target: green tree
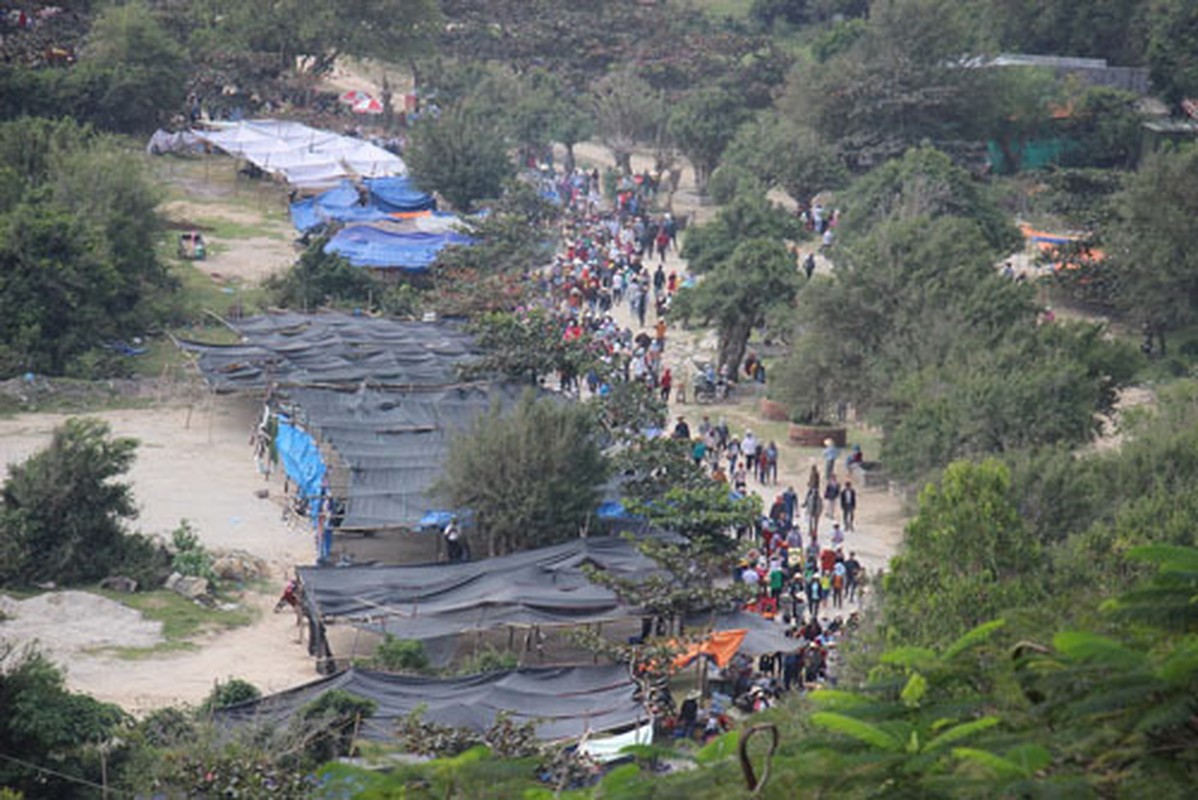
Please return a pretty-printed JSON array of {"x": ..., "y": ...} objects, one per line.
[
  {"x": 786, "y": 156},
  {"x": 1106, "y": 127},
  {"x": 459, "y": 156},
  {"x": 902, "y": 299},
  {"x": 307, "y": 35},
  {"x": 900, "y": 83},
  {"x": 701, "y": 124},
  {"x": 64, "y": 511},
  {"x": 531, "y": 477},
  {"x": 320, "y": 278},
  {"x": 78, "y": 235},
  {"x": 748, "y": 216},
  {"x": 142, "y": 68},
  {"x": 926, "y": 182},
  {"x": 1035, "y": 387},
  {"x": 45, "y": 725},
  {"x": 1172, "y": 48},
  {"x": 1153, "y": 243},
  {"x": 759, "y": 275},
  {"x": 626, "y": 111},
  {"x": 524, "y": 347},
  {"x": 515, "y": 235},
  {"x": 966, "y": 558}
]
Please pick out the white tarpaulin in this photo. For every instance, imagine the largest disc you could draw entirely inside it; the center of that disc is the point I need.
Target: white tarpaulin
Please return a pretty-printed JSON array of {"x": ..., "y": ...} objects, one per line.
[
  {"x": 303, "y": 156},
  {"x": 608, "y": 748}
]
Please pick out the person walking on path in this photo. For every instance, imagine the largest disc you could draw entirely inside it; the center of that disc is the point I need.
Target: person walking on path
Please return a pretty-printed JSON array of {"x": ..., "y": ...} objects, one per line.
[
  {"x": 848, "y": 505},
  {"x": 831, "y": 496}
]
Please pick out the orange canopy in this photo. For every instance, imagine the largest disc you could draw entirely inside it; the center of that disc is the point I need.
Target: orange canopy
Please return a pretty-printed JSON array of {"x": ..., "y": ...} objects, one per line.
[{"x": 720, "y": 645}]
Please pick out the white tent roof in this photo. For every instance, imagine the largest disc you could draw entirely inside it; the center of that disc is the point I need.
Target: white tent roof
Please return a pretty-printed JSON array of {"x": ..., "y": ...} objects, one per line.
[{"x": 305, "y": 157}]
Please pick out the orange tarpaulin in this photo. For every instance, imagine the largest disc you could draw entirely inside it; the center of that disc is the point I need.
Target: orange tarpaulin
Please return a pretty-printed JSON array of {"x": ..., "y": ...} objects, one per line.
[{"x": 720, "y": 645}]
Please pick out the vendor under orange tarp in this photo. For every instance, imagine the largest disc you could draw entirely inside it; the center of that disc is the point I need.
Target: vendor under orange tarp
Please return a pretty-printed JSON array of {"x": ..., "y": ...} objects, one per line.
[{"x": 719, "y": 645}]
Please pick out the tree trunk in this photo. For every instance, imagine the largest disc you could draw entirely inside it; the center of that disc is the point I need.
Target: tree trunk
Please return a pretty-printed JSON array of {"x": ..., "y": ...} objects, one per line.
[
  {"x": 734, "y": 340},
  {"x": 569, "y": 165},
  {"x": 623, "y": 160}
]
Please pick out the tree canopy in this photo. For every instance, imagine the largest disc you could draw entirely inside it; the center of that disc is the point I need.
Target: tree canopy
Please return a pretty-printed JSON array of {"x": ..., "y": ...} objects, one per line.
[
  {"x": 64, "y": 512},
  {"x": 530, "y": 477}
]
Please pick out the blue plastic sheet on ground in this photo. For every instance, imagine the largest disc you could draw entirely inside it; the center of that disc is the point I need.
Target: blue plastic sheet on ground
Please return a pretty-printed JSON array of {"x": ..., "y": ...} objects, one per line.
[
  {"x": 366, "y": 246},
  {"x": 301, "y": 460}
]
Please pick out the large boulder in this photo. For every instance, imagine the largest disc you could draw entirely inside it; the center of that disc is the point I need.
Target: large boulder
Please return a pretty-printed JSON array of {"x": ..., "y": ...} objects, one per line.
[
  {"x": 239, "y": 566},
  {"x": 189, "y": 586}
]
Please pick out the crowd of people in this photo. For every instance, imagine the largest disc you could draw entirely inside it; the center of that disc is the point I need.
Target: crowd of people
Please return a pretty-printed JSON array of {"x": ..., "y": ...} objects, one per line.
[{"x": 614, "y": 251}]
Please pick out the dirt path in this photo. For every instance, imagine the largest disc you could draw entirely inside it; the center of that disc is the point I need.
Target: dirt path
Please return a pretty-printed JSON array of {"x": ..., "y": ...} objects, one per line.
[{"x": 880, "y": 516}]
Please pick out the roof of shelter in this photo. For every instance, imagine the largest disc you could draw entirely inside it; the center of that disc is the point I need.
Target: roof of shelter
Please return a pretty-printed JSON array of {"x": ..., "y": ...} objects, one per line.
[
  {"x": 545, "y": 586},
  {"x": 563, "y": 702},
  {"x": 386, "y": 394},
  {"x": 305, "y": 157},
  {"x": 334, "y": 349}
]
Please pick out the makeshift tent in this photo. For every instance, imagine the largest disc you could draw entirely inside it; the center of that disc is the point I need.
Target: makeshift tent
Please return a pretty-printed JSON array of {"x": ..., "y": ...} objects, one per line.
[
  {"x": 562, "y": 702},
  {"x": 336, "y": 350},
  {"x": 384, "y": 197},
  {"x": 394, "y": 438},
  {"x": 180, "y": 143},
  {"x": 436, "y": 603},
  {"x": 394, "y": 443},
  {"x": 609, "y": 748},
  {"x": 720, "y": 646},
  {"x": 301, "y": 460},
  {"x": 305, "y": 157},
  {"x": 368, "y": 246},
  {"x": 761, "y": 635}
]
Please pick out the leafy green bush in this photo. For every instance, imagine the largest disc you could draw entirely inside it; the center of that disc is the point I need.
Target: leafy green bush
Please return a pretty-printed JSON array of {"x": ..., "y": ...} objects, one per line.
[
  {"x": 229, "y": 693},
  {"x": 489, "y": 660},
  {"x": 400, "y": 655},
  {"x": 191, "y": 557},
  {"x": 330, "y": 723}
]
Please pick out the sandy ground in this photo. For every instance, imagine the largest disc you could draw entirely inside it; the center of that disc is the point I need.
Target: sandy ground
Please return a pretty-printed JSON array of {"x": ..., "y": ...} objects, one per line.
[{"x": 194, "y": 462}]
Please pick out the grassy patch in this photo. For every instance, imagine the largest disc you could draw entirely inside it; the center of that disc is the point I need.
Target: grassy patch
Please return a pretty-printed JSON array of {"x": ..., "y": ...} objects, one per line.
[
  {"x": 182, "y": 620},
  {"x": 199, "y": 293}
]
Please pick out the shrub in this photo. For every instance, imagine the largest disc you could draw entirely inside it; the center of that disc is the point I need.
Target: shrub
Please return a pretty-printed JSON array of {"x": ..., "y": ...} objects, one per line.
[
  {"x": 400, "y": 655},
  {"x": 191, "y": 557},
  {"x": 229, "y": 693}
]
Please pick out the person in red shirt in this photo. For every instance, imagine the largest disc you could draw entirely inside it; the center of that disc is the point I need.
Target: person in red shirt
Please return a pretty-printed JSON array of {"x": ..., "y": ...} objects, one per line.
[
  {"x": 827, "y": 560},
  {"x": 665, "y": 384}
]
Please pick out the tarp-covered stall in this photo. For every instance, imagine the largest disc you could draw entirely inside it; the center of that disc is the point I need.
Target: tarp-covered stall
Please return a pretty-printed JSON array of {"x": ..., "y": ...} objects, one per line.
[
  {"x": 436, "y": 603},
  {"x": 305, "y": 157},
  {"x": 377, "y": 199},
  {"x": 377, "y": 248},
  {"x": 562, "y": 702},
  {"x": 336, "y": 350},
  {"x": 386, "y": 395}
]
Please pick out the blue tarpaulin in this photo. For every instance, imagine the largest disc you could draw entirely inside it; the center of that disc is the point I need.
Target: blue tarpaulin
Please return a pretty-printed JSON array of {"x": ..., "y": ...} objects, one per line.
[
  {"x": 384, "y": 197},
  {"x": 301, "y": 461},
  {"x": 366, "y": 246},
  {"x": 398, "y": 195}
]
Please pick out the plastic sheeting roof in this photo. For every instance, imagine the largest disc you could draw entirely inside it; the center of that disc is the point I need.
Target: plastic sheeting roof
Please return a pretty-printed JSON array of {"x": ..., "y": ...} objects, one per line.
[
  {"x": 384, "y": 196},
  {"x": 563, "y": 702},
  {"x": 394, "y": 441},
  {"x": 335, "y": 349},
  {"x": 543, "y": 587},
  {"x": 368, "y": 246},
  {"x": 305, "y": 157}
]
